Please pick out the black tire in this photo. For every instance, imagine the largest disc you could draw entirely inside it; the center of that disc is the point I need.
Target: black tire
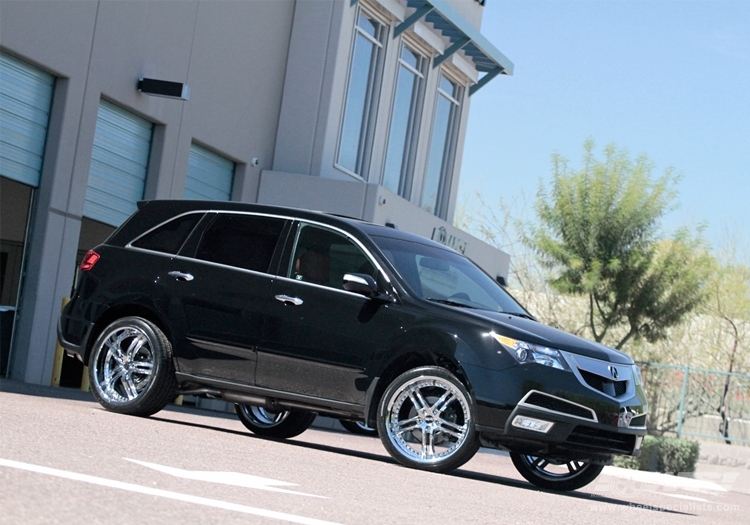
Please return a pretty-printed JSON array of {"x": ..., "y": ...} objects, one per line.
[
  {"x": 358, "y": 427},
  {"x": 555, "y": 475},
  {"x": 280, "y": 425},
  {"x": 131, "y": 369},
  {"x": 438, "y": 435}
]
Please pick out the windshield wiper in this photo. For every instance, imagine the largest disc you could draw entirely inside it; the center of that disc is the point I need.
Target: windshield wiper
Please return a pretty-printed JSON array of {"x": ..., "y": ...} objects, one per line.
[
  {"x": 520, "y": 314},
  {"x": 450, "y": 303}
]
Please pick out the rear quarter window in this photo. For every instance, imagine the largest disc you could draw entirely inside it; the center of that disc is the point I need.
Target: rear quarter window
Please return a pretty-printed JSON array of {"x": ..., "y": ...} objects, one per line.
[{"x": 169, "y": 237}]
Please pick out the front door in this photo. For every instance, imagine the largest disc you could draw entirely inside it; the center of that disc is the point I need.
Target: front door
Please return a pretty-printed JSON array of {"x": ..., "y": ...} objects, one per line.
[{"x": 319, "y": 339}]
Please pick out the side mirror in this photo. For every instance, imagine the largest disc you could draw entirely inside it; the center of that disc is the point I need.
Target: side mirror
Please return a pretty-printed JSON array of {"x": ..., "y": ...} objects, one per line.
[{"x": 360, "y": 283}]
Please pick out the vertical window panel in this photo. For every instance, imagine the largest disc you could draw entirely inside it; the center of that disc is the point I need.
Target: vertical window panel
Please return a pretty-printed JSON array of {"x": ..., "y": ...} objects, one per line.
[
  {"x": 442, "y": 149},
  {"x": 361, "y": 96},
  {"x": 404, "y": 128}
]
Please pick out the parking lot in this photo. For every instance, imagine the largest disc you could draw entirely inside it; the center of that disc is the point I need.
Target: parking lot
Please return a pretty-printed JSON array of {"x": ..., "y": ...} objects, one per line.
[{"x": 63, "y": 459}]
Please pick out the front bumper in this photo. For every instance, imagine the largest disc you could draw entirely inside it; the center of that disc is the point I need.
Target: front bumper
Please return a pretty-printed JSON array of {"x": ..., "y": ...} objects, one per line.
[{"x": 537, "y": 410}]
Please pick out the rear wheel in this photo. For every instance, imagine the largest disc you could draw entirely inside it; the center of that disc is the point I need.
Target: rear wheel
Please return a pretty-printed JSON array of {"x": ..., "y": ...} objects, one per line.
[
  {"x": 131, "y": 369},
  {"x": 358, "y": 427},
  {"x": 266, "y": 423},
  {"x": 426, "y": 420},
  {"x": 555, "y": 474}
]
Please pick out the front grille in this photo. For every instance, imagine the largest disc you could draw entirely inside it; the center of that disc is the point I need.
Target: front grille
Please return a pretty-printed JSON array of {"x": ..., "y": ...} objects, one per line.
[
  {"x": 559, "y": 405},
  {"x": 602, "y": 439},
  {"x": 604, "y": 385}
]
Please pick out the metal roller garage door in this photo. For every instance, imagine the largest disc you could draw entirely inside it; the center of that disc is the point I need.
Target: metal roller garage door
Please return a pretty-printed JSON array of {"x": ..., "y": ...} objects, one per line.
[
  {"x": 209, "y": 175},
  {"x": 119, "y": 162},
  {"x": 25, "y": 100}
]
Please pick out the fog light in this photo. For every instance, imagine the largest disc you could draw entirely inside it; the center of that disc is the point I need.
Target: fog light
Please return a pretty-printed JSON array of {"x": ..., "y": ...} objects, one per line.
[{"x": 528, "y": 423}]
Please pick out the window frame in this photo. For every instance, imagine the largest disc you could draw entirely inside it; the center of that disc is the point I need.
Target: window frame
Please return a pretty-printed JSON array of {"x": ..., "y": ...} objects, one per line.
[
  {"x": 408, "y": 151},
  {"x": 448, "y": 157},
  {"x": 374, "y": 87}
]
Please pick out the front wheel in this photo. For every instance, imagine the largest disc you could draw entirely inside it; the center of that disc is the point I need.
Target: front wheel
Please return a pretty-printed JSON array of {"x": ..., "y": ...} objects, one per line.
[
  {"x": 557, "y": 475},
  {"x": 131, "y": 369},
  {"x": 426, "y": 420},
  {"x": 280, "y": 425}
]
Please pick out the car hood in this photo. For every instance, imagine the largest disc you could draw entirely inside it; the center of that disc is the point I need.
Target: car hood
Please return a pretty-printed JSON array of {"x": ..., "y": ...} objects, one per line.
[{"x": 538, "y": 333}]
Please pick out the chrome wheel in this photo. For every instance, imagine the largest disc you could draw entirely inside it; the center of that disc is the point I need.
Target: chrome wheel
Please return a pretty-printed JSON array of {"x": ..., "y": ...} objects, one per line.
[
  {"x": 426, "y": 420},
  {"x": 262, "y": 417},
  {"x": 358, "y": 427},
  {"x": 124, "y": 365},
  {"x": 555, "y": 474},
  {"x": 130, "y": 367},
  {"x": 267, "y": 423}
]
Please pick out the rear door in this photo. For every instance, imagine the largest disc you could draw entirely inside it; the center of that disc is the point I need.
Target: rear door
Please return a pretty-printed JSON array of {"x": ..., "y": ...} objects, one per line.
[
  {"x": 216, "y": 291},
  {"x": 319, "y": 338}
]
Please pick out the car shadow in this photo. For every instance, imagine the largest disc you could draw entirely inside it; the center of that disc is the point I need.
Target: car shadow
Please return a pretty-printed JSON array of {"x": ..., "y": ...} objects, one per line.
[{"x": 17, "y": 387}]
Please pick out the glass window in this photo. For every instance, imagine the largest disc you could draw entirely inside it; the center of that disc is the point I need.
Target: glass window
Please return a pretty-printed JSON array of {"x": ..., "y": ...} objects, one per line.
[
  {"x": 402, "y": 136},
  {"x": 361, "y": 95},
  {"x": 244, "y": 241},
  {"x": 169, "y": 237},
  {"x": 444, "y": 276},
  {"x": 322, "y": 256},
  {"x": 442, "y": 148}
]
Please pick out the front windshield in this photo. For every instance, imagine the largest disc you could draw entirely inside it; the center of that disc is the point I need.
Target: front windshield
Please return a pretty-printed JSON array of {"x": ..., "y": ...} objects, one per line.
[{"x": 444, "y": 276}]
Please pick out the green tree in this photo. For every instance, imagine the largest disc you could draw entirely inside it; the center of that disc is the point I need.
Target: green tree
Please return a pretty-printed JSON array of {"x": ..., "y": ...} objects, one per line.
[
  {"x": 730, "y": 302},
  {"x": 598, "y": 234}
]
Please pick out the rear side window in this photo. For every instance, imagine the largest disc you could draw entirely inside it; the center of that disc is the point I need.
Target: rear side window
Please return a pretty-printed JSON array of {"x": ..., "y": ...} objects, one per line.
[
  {"x": 169, "y": 237},
  {"x": 244, "y": 241}
]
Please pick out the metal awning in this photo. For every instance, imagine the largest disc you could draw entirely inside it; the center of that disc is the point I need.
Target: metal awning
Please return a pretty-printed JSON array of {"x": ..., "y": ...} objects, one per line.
[{"x": 462, "y": 36}]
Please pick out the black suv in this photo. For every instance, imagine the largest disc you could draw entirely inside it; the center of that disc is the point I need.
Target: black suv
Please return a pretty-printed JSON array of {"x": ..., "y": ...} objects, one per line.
[{"x": 291, "y": 313}]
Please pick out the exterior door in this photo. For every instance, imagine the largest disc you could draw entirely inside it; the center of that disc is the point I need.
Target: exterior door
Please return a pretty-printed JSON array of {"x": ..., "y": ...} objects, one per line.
[
  {"x": 216, "y": 293},
  {"x": 320, "y": 339}
]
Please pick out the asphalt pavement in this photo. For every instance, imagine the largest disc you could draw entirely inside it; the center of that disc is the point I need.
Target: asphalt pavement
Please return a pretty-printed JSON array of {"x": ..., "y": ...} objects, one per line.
[{"x": 63, "y": 459}]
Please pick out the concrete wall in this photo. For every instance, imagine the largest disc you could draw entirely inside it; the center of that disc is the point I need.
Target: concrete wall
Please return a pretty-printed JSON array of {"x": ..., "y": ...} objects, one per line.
[
  {"x": 231, "y": 54},
  {"x": 267, "y": 80}
]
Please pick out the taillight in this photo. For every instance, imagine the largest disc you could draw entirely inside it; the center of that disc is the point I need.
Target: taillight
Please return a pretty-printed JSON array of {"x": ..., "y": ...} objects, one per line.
[{"x": 89, "y": 260}]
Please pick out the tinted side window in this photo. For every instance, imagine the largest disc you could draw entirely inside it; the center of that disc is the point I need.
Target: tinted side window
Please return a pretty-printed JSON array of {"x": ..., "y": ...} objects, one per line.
[
  {"x": 323, "y": 257},
  {"x": 169, "y": 237},
  {"x": 244, "y": 241}
]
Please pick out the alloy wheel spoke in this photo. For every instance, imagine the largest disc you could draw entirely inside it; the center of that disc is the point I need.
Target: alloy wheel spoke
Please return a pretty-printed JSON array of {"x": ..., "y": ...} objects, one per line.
[
  {"x": 143, "y": 367},
  {"x": 419, "y": 402},
  {"x": 130, "y": 388},
  {"x": 114, "y": 351},
  {"x": 428, "y": 443},
  {"x": 452, "y": 429},
  {"x": 441, "y": 404},
  {"x": 407, "y": 425},
  {"x": 135, "y": 346}
]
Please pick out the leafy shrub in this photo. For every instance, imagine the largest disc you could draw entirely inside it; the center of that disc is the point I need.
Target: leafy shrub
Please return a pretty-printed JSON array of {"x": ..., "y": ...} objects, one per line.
[{"x": 663, "y": 454}]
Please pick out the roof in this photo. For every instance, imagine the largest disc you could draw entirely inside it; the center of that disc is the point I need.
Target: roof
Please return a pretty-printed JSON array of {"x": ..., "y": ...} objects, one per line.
[{"x": 463, "y": 36}]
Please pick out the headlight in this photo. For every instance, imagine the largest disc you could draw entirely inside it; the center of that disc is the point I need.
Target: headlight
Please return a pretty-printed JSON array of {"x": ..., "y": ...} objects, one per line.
[{"x": 524, "y": 352}]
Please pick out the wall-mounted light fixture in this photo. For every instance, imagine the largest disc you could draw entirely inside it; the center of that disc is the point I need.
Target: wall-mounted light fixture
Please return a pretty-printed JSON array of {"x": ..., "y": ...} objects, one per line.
[{"x": 164, "y": 88}]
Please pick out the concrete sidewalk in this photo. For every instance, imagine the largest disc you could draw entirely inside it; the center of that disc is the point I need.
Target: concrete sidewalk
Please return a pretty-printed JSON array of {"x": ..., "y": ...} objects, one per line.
[{"x": 727, "y": 465}]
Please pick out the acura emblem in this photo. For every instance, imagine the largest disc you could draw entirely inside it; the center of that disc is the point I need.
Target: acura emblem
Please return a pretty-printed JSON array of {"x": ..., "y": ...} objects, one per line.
[{"x": 613, "y": 371}]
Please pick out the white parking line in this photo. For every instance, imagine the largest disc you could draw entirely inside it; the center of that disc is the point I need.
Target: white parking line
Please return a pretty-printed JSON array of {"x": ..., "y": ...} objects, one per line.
[{"x": 218, "y": 504}]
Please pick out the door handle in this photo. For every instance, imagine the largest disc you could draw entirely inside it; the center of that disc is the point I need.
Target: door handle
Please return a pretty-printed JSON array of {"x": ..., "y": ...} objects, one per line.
[
  {"x": 291, "y": 301},
  {"x": 180, "y": 276}
]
